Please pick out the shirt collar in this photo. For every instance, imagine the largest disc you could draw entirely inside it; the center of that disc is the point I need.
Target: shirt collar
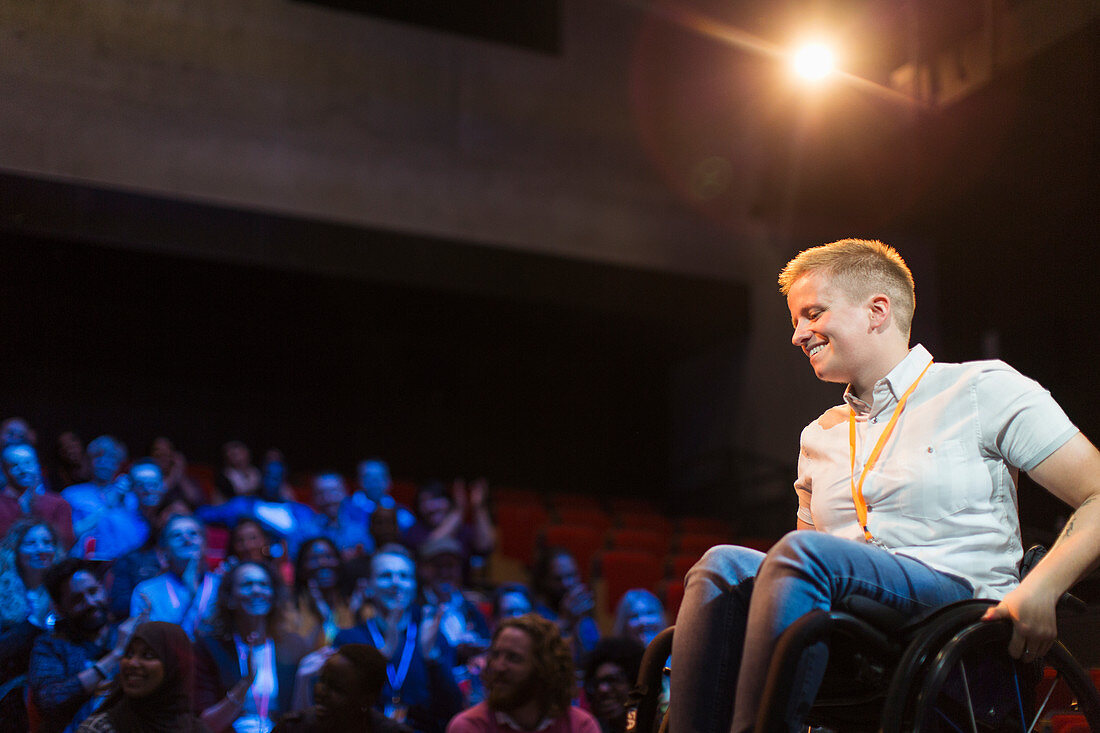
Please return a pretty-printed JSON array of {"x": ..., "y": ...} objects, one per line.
[
  {"x": 890, "y": 388},
  {"x": 504, "y": 718}
]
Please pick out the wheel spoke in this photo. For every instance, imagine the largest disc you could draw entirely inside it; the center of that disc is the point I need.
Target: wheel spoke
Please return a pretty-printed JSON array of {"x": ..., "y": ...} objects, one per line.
[{"x": 969, "y": 701}]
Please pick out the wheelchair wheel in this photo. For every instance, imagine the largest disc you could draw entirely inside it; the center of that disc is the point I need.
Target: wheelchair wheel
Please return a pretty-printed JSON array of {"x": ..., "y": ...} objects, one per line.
[{"x": 973, "y": 685}]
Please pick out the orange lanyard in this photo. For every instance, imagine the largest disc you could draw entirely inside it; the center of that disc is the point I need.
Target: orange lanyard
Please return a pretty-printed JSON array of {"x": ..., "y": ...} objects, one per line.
[{"x": 857, "y": 490}]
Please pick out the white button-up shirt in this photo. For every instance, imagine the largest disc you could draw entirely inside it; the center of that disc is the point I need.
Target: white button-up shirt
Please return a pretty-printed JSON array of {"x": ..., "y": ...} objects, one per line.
[{"x": 944, "y": 487}]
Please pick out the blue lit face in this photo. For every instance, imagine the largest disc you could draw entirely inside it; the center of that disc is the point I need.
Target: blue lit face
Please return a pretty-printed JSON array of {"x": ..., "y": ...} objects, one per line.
[
  {"x": 374, "y": 478},
  {"x": 252, "y": 591},
  {"x": 21, "y": 467},
  {"x": 182, "y": 539},
  {"x": 14, "y": 431},
  {"x": 37, "y": 549},
  {"x": 148, "y": 483},
  {"x": 106, "y": 461},
  {"x": 274, "y": 474}
]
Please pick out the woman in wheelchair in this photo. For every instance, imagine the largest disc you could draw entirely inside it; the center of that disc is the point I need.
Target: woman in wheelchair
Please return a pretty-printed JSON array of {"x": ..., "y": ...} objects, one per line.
[{"x": 907, "y": 499}]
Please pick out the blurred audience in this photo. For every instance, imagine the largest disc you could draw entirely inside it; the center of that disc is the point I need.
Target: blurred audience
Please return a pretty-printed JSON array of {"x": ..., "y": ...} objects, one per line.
[
  {"x": 420, "y": 689},
  {"x": 26, "y": 552},
  {"x": 244, "y": 668},
  {"x": 349, "y": 683},
  {"x": 562, "y": 597},
  {"x": 338, "y": 518},
  {"x": 610, "y": 671},
  {"x": 238, "y": 476},
  {"x": 373, "y": 492},
  {"x": 184, "y": 594},
  {"x": 69, "y": 664},
  {"x": 72, "y": 463},
  {"x": 24, "y": 495},
  {"x": 321, "y": 603},
  {"x": 106, "y": 519},
  {"x": 173, "y": 466},
  {"x": 531, "y": 682},
  {"x": 511, "y": 600},
  {"x": 154, "y": 687},
  {"x": 639, "y": 616},
  {"x": 442, "y": 513}
]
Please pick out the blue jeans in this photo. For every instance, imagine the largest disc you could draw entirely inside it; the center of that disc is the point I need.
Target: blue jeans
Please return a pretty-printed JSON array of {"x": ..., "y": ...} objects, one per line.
[{"x": 738, "y": 601}]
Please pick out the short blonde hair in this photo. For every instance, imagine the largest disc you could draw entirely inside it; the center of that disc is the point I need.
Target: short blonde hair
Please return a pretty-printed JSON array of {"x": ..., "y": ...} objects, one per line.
[{"x": 860, "y": 267}]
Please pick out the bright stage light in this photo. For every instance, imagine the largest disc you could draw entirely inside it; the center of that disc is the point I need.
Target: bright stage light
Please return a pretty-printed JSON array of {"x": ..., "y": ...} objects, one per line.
[{"x": 814, "y": 61}]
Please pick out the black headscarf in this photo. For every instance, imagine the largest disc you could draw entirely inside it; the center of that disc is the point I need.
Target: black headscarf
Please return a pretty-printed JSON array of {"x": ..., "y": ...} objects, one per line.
[{"x": 168, "y": 708}]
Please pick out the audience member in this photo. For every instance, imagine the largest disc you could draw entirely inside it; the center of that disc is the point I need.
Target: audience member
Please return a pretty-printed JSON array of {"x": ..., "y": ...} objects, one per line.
[
  {"x": 350, "y": 681},
  {"x": 154, "y": 687},
  {"x": 338, "y": 518},
  {"x": 511, "y": 600},
  {"x": 639, "y": 616},
  {"x": 531, "y": 681},
  {"x": 561, "y": 597},
  {"x": 440, "y": 513},
  {"x": 273, "y": 477},
  {"x": 17, "y": 431},
  {"x": 374, "y": 489},
  {"x": 26, "y": 553},
  {"x": 420, "y": 688},
  {"x": 609, "y": 672},
  {"x": 384, "y": 527},
  {"x": 73, "y": 464},
  {"x": 24, "y": 495},
  {"x": 238, "y": 476},
  {"x": 441, "y": 581},
  {"x": 321, "y": 604},
  {"x": 83, "y": 651},
  {"x": 156, "y": 505},
  {"x": 244, "y": 669},
  {"x": 105, "y": 510},
  {"x": 173, "y": 466},
  {"x": 184, "y": 594}
]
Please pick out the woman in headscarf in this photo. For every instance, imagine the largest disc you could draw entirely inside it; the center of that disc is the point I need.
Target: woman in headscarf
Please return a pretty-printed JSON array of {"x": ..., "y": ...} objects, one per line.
[
  {"x": 153, "y": 688},
  {"x": 350, "y": 682}
]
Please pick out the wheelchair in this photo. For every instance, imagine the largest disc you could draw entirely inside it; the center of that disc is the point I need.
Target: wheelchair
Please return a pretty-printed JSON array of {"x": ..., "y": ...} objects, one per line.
[{"x": 944, "y": 671}]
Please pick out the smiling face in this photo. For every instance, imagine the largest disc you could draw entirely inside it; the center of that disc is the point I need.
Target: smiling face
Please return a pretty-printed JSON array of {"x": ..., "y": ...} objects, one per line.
[
  {"x": 320, "y": 564},
  {"x": 36, "y": 550},
  {"x": 84, "y": 602},
  {"x": 510, "y": 673},
  {"x": 141, "y": 671},
  {"x": 20, "y": 464},
  {"x": 834, "y": 331},
  {"x": 608, "y": 691},
  {"x": 644, "y": 619},
  {"x": 392, "y": 582},
  {"x": 252, "y": 590}
]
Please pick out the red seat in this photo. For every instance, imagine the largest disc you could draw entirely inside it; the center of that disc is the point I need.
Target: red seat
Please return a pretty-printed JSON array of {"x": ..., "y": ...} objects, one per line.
[
  {"x": 1069, "y": 723},
  {"x": 697, "y": 544},
  {"x": 581, "y": 541},
  {"x": 673, "y": 597},
  {"x": 587, "y": 516},
  {"x": 204, "y": 476},
  {"x": 645, "y": 520},
  {"x": 622, "y": 570},
  {"x": 646, "y": 540},
  {"x": 680, "y": 563},
  {"x": 704, "y": 525},
  {"x": 518, "y": 526},
  {"x": 217, "y": 546}
]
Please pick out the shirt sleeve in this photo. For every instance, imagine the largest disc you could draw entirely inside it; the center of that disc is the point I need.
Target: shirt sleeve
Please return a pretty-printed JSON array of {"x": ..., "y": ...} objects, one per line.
[
  {"x": 49, "y": 679},
  {"x": 1019, "y": 420}
]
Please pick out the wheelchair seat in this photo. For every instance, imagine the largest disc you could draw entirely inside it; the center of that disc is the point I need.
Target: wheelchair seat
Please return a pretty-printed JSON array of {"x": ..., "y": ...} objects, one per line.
[{"x": 944, "y": 671}]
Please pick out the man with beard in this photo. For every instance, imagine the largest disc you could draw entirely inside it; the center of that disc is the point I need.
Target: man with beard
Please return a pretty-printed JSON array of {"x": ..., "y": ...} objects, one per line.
[
  {"x": 531, "y": 680},
  {"x": 68, "y": 665}
]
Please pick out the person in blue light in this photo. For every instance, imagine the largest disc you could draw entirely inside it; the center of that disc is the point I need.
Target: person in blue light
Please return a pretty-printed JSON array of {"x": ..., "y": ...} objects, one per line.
[
  {"x": 374, "y": 491},
  {"x": 106, "y": 516},
  {"x": 907, "y": 496}
]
